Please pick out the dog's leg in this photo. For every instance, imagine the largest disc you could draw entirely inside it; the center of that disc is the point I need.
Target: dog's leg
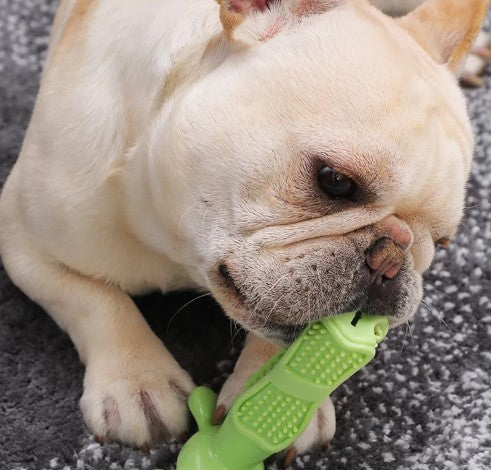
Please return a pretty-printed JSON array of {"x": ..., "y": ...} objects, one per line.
[
  {"x": 255, "y": 353},
  {"x": 134, "y": 390}
]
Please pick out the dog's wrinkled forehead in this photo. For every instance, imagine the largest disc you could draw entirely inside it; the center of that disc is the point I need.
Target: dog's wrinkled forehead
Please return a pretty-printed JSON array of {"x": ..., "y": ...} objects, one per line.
[
  {"x": 337, "y": 58},
  {"x": 346, "y": 85},
  {"x": 348, "y": 88}
]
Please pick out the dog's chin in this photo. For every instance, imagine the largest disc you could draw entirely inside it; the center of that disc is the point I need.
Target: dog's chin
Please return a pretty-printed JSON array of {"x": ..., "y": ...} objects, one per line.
[
  {"x": 280, "y": 334},
  {"x": 234, "y": 304},
  {"x": 284, "y": 333}
]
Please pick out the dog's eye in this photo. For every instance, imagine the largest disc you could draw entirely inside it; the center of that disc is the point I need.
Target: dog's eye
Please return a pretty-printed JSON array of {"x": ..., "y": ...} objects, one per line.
[{"x": 335, "y": 184}]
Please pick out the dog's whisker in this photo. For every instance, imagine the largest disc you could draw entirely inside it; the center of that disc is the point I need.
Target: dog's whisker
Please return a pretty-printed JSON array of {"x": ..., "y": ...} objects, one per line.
[
  {"x": 448, "y": 296},
  {"x": 205, "y": 213},
  {"x": 464, "y": 226},
  {"x": 447, "y": 325},
  {"x": 321, "y": 287},
  {"x": 238, "y": 329},
  {"x": 435, "y": 313},
  {"x": 264, "y": 296},
  {"x": 269, "y": 290},
  {"x": 410, "y": 332},
  {"x": 309, "y": 308},
  {"x": 182, "y": 219},
  {"x": 477, "y": 204},
  {"x": 273, "y": 308},
  {"x": 207, "y": 294},
  {"x": 405, "y": 336}
]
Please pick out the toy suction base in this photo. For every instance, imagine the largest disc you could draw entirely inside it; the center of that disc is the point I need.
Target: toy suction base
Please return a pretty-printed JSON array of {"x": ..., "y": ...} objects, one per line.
[{"x": 198, "y": 454}]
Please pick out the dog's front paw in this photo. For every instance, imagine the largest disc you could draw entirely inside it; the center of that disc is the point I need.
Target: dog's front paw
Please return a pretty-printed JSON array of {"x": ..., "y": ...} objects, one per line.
[
  {"x": 319, "y": 432},
  {"x": 137, "y": 401}
]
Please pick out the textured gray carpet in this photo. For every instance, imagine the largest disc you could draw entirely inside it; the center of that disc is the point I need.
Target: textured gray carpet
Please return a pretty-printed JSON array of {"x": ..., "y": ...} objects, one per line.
[{"x": 424, "y": 404}]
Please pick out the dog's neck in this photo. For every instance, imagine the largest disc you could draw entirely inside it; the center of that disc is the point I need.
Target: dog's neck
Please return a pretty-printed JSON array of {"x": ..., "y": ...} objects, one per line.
[
  {"x": 162, "y": 59},
  {"x": 173, "y": 54}
]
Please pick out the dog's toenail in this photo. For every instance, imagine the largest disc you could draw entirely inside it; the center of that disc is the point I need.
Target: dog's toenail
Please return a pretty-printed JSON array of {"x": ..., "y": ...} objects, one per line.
[
  {"x": 99, "y": 440},
  {"x": 145, "y": 448},
  {"x": 218, "y": 415},
  {"x": 326, "y": 446},
  {"x": 290, "y": 456}
]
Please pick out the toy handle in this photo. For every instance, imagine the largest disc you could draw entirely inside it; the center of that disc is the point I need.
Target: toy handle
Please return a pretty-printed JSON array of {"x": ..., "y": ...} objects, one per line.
[{"x": 202, "y": 403}]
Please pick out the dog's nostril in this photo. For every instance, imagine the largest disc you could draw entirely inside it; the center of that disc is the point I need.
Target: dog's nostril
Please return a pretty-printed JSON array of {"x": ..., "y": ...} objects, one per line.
[
  {"x": 385, "y": 258},
  {"x": 377, "y": 252},
  {"x": 391, "y": 273}
]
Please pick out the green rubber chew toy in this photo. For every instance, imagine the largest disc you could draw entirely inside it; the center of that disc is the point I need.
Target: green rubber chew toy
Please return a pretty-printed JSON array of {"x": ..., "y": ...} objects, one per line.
[{"x": 282, "y": 397}]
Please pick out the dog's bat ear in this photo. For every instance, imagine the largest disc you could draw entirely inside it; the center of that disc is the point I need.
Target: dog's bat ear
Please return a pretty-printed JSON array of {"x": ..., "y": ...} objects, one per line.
[
  {"x": 446, "y": 29},
  {"x": 253, "y": 21}
]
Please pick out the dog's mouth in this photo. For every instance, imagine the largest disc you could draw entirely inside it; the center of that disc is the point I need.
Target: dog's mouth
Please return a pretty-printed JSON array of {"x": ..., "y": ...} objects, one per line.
[
  {"x": 229, "y": 282},
  {"x": 277, "y": 332},
  {"x": 282, "y": 333},
  {"x": 272, "y": 317}
]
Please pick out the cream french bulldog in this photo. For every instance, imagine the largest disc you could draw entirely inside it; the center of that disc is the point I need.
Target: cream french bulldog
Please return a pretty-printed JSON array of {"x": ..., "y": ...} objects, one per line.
[{"x": 295, "y": 158}]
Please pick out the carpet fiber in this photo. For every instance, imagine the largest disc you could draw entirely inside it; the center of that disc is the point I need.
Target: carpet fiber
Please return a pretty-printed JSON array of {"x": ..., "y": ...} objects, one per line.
[{"x": 425, "y": 403}]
